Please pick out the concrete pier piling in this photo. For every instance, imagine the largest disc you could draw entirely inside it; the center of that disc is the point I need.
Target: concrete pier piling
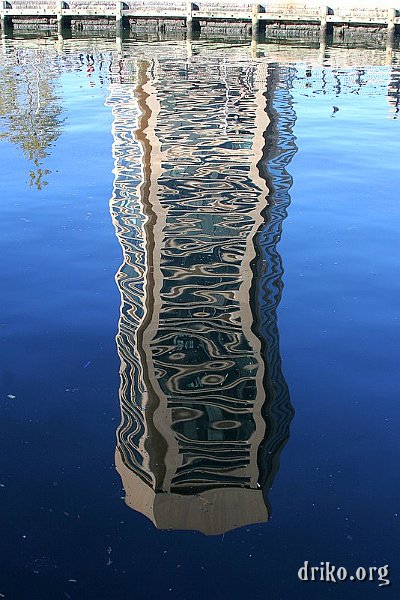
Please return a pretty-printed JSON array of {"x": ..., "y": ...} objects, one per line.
[
  {"x": 59, "y": 15},
  {"x": 254, "y": 20},
  {"x": 3, "y": 18},
  {"x": 391, "y": 33},
  {"x": 189, "y": 18},
  {"x": 391, "y": 24},
  {"x": 324, "y": 12},
  {"x": 119, "y": 23},
  {"x": 274, "y": 18}
]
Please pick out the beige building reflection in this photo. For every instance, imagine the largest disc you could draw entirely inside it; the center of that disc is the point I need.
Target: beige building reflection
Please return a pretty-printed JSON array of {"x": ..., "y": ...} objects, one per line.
[{"x": 202, "y": 420}]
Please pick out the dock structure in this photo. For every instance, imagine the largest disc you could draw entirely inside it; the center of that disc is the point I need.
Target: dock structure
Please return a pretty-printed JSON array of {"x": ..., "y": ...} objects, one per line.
[{"x": 251, "y": 17}]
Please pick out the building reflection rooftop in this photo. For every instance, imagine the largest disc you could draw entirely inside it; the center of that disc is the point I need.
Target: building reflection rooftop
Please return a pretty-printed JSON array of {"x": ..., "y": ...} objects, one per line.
[{"x": 203, "y": 422}]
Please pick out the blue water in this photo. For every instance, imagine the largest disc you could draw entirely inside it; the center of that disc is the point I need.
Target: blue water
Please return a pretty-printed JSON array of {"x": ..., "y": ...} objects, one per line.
[{"x": 78, "y": 270}]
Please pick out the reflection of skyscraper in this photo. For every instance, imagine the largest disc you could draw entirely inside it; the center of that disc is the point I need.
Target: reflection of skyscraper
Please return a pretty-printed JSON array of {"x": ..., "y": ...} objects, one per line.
[
  {"x": 187, "y": 205},
  {"x": 393, "y": 93},
  {"x": 278, "y": 152}
]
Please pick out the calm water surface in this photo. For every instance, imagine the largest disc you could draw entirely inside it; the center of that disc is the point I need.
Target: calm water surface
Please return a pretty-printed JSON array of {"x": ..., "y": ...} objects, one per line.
[{"x": 199, "y": 319}]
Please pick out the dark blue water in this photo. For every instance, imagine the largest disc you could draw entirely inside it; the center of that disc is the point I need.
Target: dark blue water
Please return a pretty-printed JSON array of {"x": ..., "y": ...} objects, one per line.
[{"x": 200, "y": 282}]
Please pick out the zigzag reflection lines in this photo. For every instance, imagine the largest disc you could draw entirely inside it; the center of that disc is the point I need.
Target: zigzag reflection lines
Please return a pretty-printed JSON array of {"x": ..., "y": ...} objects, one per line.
[
  {"x": 279, "y": 154},
  {"x": 128, "y": 218},
  {"x": 132, "y": 427},
  {"x": 200, "y": 355}
]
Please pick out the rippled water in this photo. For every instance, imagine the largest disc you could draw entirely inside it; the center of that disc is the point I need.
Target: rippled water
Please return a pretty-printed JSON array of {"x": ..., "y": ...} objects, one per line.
[{"x": 218, "y": 225}]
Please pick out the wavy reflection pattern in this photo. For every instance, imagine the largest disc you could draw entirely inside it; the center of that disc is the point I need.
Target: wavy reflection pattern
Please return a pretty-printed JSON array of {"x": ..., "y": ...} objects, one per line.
[
  {"x": 205, "y": 357},
  {"x": 393, "y": 92},
  {"x": 129, "y": 218},
  {"x": 187, "y": 205},
  {"x": 279, "y": 149}
]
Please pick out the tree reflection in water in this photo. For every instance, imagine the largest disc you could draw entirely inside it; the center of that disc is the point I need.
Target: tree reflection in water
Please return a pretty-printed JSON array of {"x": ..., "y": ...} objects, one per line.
[{"x": 30, "y": 111}]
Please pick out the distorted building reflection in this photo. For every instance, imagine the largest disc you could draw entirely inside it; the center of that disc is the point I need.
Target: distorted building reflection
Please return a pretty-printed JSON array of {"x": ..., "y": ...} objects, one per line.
[
  {"x": 205, "y": 409},
  {"x": 393, "y": 93}
]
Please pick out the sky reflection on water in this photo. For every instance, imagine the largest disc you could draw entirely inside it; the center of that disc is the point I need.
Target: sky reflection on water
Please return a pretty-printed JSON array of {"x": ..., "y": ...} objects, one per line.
[{"x": 230, "y": 176}]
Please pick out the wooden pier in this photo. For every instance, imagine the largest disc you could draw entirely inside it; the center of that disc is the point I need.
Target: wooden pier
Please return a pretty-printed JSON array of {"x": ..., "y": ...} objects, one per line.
[{"x": 256, "y": 18}]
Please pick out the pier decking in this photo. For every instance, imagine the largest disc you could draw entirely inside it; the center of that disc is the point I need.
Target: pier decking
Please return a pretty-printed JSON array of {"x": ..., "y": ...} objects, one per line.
[{"x": 60, "y": 14}]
